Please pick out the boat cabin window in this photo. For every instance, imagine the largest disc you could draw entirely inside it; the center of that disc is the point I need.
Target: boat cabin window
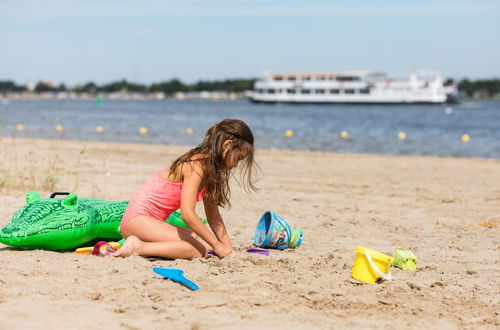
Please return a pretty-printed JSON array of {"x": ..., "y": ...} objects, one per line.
[
  {"x": 270, "y": 91},
  {"x": 348, "y": 78},
  {"x": 306, "y": 78},
  {"x": 334, "y": 91},
  {"x": 260, "y": 91},
  {"x": 306, "y": 91},
  {"x": 291, "y": 78},
  {"x": 290, "y": 91},
  {"x": 278, "y": 78},
  {"x": 349, "y": 91},
  {"x": 364, "y": 91},
  {"x": 320, "y": 91}
]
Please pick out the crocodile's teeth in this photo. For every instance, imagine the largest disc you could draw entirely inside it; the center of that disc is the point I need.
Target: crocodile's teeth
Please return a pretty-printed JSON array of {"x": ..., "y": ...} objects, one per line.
[{"x": 72, "y": 225}]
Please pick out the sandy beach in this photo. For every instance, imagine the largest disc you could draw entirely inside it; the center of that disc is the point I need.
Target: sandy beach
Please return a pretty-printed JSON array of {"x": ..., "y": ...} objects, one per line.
[{"x": 445, "y": 210}]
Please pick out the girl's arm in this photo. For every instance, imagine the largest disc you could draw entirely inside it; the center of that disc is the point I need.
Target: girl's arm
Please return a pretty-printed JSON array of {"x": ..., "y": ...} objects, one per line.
[
  {"x": 193, "y": 173},
  {"x": 217, "y": 223}
]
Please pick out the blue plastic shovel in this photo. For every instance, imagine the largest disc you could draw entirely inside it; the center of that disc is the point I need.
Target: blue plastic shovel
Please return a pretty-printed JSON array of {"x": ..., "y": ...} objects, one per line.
[{"x": 175, "y": 275}]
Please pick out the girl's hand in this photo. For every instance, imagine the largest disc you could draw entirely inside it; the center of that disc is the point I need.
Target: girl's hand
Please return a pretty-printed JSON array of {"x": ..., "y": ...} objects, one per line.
[{"x": 222, "y": 250}]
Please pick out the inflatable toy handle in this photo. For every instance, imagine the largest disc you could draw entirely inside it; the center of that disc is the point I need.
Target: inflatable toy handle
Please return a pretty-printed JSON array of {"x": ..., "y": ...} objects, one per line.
[
  {"x": 386, "y": 277},
  {"x": 54, "y": 194}
]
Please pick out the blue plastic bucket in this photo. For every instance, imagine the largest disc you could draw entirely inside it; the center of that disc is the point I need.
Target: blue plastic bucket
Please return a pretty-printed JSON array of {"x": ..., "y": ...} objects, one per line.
[{"x": 276, "y": 233}]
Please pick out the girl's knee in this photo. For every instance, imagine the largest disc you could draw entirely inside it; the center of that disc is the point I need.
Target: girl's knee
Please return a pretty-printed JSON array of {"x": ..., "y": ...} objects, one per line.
[{"x": 198, "y": 253}]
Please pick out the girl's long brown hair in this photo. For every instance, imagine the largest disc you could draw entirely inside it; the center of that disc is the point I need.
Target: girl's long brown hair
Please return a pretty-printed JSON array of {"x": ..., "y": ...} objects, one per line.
[{"x": 216, "y": 173}]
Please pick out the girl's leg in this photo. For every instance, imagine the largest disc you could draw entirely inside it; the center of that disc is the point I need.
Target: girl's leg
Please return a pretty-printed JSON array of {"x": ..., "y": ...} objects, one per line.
[
  {"x": 152, "y": 230},
  {"x": 169, "y": 249},
  {"x": 150, "y": 237}
]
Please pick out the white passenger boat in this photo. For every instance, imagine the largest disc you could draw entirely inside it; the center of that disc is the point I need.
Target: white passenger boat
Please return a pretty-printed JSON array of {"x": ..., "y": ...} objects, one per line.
[{"x": 352, "y": 88}]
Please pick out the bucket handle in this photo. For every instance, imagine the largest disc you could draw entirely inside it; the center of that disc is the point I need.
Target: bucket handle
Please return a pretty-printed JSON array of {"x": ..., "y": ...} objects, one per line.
[{"x": 386, "y": 277}]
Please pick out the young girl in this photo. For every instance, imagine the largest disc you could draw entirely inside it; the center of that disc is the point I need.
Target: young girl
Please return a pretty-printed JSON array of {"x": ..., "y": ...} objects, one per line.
[{"x": 201, "y": 173}]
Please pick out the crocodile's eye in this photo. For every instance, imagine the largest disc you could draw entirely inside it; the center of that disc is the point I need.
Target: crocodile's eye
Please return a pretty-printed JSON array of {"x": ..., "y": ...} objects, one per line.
[
  {"x": 70, "y": 200},
  {"x": 32, "y": 197}
]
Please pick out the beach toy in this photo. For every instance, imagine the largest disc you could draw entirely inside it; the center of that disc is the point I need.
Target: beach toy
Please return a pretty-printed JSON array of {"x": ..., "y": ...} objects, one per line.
[
  {"x": 62, "y": 223},
  {"x": 256, "y": 251},
  {"x": 102, "y": 249},
  {"x": 371, "y": 266},
  {"x": 275, "y": 232},
  {"x": 66, "y": 223},
  {"x": 89, "y": 249},
  {"x": 404, "y": 259},
  {"x": 176, "y": 275},
  {"x": 176, "y": 220}
]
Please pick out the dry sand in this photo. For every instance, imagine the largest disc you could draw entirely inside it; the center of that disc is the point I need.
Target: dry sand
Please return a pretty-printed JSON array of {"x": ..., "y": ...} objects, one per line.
[{"x": 445, "y": 210}]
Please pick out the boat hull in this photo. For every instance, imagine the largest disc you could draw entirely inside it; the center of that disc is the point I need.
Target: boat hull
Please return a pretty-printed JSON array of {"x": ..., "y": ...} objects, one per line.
[{"x": 346, "y": 103}]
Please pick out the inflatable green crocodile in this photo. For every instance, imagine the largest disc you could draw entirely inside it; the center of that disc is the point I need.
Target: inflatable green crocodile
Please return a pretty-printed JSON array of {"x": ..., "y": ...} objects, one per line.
[{"x": 66, "y": 223}]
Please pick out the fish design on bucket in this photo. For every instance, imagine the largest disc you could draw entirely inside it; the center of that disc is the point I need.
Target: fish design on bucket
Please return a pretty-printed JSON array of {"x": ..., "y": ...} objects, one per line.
[{"x": 276, "y": 233}]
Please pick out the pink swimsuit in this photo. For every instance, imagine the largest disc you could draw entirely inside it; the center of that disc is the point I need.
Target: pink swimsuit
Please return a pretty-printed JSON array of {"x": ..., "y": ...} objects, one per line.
[{"x": 156, "y": 198}]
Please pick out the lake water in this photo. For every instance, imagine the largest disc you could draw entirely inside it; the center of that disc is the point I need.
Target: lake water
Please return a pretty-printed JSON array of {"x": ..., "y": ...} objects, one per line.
[{"x": 430, "y": 130}]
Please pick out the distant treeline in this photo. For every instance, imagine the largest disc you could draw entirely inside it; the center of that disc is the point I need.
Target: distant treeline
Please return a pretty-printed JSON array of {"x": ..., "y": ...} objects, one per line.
[
  {"x": 478, "y": 88},
  {"x": 167, "y": 87}
]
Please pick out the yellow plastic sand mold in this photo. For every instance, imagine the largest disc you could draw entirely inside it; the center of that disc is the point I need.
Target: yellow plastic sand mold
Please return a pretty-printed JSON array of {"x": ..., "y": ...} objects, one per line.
[
  {"x": 404, "y": 259},
  {"x": 371, "y": 266}
]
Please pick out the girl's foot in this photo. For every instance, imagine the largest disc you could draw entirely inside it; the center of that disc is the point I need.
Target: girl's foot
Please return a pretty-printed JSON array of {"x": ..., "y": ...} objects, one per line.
[{"x": 131, "y": 245}]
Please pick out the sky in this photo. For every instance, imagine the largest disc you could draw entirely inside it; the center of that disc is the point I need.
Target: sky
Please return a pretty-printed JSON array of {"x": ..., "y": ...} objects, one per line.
[{"x": 74, "y": 42}]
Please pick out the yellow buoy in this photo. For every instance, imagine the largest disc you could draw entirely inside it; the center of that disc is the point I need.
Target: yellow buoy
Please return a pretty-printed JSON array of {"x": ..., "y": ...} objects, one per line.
[
  {"x": 58, "y": 128},
  {"x": 288, "y": 133},
  {"x": 99, "y": 129},
  {"x": 188, "y": 131},
  {"x": 401, "y": 135},
  {"x": 344, "y": 134},
  {"x": 20, "y": 127},
  {"x": 465, "y": 138},
  {"x": 143, "y": 130}
]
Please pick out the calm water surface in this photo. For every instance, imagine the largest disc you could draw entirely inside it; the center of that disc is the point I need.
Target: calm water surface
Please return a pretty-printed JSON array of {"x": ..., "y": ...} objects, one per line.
[{"x": 430, "y": 130}]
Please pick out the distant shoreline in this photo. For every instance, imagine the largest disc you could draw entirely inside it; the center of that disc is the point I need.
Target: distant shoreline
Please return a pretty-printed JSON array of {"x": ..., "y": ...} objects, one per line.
[
  {"x": 214, "y": 96},
  {"x": 233, "y": 88}
]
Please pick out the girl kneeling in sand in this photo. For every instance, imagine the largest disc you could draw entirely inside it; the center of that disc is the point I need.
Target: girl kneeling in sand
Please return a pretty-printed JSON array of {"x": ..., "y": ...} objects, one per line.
[{"x": 201, "y": 173}]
